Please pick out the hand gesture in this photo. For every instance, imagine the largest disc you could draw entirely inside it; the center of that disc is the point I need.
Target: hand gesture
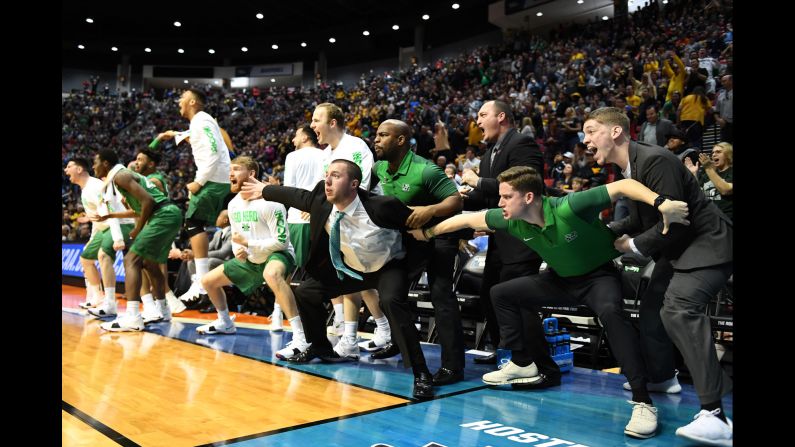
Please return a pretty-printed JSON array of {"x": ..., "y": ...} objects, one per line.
[
  {"x": 693, "y": 168},
  {"x": 420, "y": 216},
  {"x": 673, "y": 211},
  {"x": 252, "y": 189}
]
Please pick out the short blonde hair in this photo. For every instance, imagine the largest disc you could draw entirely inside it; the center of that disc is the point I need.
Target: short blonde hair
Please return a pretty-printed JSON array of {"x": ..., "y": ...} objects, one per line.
[
  {"x": 728, "y": 150},
  {"x": 333, "y": 112}
]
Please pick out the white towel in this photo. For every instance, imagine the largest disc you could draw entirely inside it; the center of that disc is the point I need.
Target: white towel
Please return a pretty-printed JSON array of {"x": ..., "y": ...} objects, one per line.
[{"x": 110, "y": 191}]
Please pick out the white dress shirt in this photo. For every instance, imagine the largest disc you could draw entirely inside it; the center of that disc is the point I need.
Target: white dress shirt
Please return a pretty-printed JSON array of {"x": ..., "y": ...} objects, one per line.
[{"x": 365, "y": 246}]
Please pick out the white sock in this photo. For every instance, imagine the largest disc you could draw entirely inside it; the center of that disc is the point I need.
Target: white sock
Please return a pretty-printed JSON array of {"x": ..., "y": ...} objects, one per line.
[
  {"x": 110, "y": 297},
  {"x": 133, "y": 309},
  {"x": 89, "y": 292},
  {"x": 298, "y": 328},
  {"x": 170, "y": 295},
  {"x": 162, "y": 306},
  {"x": 383, "y": 325},
  {"x": 224, "y": 316},
  {"x": 202, "y": 267},
  {"x": 339, "y": 313},
  {"x": 93, "y": 294},
  {"x": 149, "y": 302},
  {"x": 350, "y": 332},
  {"x": 277, "y": 311}
]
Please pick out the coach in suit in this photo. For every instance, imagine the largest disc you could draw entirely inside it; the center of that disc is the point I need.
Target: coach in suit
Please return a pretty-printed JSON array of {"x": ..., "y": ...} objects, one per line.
[
  {"x": 655, "y": 130},
  {"x": 505, "y": 259},
  {"x": 699, "y": 257},
  {"x": 355, "y": 244}
]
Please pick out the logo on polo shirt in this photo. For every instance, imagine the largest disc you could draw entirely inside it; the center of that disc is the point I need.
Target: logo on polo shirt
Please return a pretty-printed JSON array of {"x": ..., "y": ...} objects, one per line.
[
  {"x": 571, "y": 236},
  {"x": 406, "y": 187}
]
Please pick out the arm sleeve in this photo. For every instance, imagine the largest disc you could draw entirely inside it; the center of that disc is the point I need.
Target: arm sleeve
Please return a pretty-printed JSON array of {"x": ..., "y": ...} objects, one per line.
[
  {"x": 495, "y": 220},
  {"x": 662, "y": 180},
  {"x": 588, "y": 204},
  {"x": 205, "y": 149},
  {"x": 292, "y": 197},
  {"x": 437, "y": 183},
  {"x": 275, "y": 217},
  {"x": 115, "y": 230}
]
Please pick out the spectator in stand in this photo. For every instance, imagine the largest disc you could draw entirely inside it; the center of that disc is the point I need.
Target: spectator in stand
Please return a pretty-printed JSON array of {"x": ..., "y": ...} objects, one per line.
[
  {"x": 471, "y": 160},
  {"x": 723, "y": 110},
  {"x": 715, "y": 174},
  {"x": 692, "y": 111},
  {"x": 655, "y": 129}
]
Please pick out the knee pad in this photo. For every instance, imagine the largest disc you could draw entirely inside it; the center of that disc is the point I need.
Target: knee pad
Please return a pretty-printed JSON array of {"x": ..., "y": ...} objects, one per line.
[{"x": 193, "y": 227}]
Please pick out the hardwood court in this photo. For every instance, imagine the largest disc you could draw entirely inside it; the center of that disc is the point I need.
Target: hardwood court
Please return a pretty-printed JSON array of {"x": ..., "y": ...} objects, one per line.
[{"x": 169, "y": 386}]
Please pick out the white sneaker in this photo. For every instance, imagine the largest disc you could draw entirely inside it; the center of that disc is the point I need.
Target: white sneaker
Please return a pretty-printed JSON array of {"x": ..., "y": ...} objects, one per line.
[
  {"x": 337, "y": 329},
  {"x": 277, "y": 325},
  {"x": 346, "y": 350},
  {"x": 670, "y": 386},
  {"x": 708, "y": 429},
  {"x": 103, "y": 311},
  {"x": 87, "y": 304},
  {"x": 193, "y": 292},
  {"x": 379, "y": 340},
  {"x": 292, "y": 349},
  {"x": 643, "y": 423},
  {"x": 217, "y": 327},
  {"x": 174, "y": 304},
  {"x": 151, "y": 314},
  {"x": 165, "y": 312},
  {"x": 512, "y": 373},
  {"x": 124, "y": 323}
]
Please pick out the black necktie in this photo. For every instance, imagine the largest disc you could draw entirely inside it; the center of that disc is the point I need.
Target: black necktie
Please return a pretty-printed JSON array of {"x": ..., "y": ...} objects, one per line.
[{"x": 494, "y": 152}]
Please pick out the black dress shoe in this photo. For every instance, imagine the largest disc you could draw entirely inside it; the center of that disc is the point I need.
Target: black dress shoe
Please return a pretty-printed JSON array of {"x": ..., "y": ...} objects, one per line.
[
  {"x": 390, "y": 350},
  {"x": 490, "y": 359},
  {"x": 423, "y": 386},
  {"x": 545, "y": 382},
  {"x": 447, "y": 376}
]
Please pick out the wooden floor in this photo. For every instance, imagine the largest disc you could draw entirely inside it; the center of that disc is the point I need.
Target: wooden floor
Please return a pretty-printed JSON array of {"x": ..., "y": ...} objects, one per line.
[{"x": 169, "y": 386}]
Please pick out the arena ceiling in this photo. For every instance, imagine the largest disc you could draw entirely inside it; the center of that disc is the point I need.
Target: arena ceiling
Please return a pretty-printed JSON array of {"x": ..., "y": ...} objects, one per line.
[{"x": 227, "y": 26}]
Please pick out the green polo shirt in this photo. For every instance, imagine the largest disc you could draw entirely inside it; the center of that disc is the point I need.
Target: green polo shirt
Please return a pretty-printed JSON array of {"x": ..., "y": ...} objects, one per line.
[
  {"x": 417, "y": 182},
  {"x": 573, "y": 241}
]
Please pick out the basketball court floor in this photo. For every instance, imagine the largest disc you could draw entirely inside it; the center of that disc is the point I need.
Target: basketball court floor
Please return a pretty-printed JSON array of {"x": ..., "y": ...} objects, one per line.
[{"x": 170, "y": 386}]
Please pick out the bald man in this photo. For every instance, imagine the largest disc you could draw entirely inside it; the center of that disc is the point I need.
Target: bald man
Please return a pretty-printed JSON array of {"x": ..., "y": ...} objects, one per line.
[{"x": 423, "y": 186}]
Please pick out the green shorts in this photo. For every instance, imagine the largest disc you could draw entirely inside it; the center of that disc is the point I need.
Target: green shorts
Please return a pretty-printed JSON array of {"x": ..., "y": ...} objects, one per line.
[
  {"x": 91, "y": 250},
  {"x": 208, "y": 203},
  {"x": 247, "y": 276},
  {"x": 104, "y": 240},
  {"x": 299, "y": 237},
  {"x": 154, "y": 240}
]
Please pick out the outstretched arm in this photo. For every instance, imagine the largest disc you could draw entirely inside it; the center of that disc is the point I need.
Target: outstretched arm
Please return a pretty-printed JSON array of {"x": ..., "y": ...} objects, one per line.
[
  {"x": 476, "y": 221},
  {"x": 673, "y": 211}
]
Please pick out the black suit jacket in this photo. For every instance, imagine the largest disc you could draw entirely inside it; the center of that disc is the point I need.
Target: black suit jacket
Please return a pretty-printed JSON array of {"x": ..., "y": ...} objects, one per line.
[
  {"x": 707, "y": 241},
  {"x": 516, "y": 149},
  {"x": 385, "y": 211}
]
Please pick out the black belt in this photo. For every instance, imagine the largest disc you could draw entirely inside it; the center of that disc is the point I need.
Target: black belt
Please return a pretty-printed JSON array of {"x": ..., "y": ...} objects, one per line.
[{"x": 159, "y": 205}]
